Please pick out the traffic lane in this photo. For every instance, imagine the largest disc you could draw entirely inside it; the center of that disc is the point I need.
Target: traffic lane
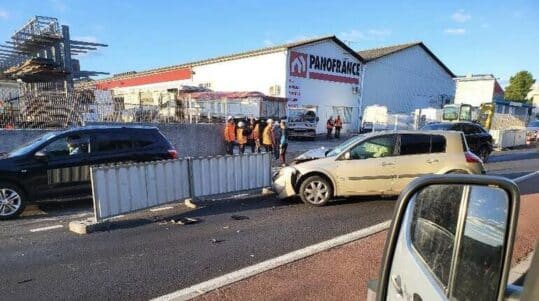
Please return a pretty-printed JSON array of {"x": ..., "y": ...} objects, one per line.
[
  {"x": 513, "y": 163},
  {"x": 142, "y": 260}
]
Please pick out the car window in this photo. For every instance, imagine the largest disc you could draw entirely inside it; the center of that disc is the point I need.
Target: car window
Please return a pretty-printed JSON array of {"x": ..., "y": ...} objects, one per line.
[
  {"x": 376, "y": 147},
  {"x": 438, "y": 144},
  {"x": 141, "y": 140},
  {"x": 437, "y": 126},
  {"x": 534, "y": 124},
  {"x": 113, "y": 142},
  {"x": 479, "y": 263},
  {"x": 470, "y": 129},
  {"x": 413, "y": 144},
  {"x": 72, "y": 145},
  {"x": 433, "y": 227}
]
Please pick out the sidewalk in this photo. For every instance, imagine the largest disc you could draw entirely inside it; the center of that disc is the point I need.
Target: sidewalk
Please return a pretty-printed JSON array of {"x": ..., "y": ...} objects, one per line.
[{"x": 342, "y": 273}]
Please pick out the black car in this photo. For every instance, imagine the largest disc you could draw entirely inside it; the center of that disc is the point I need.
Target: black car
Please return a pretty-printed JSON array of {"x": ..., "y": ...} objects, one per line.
[
  {"x": 57, "y": 163},
  {"x": 478, "y": 139}
]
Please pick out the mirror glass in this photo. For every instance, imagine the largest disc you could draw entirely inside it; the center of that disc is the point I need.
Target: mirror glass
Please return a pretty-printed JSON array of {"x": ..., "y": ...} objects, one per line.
[
  {"x": 479, "y": 262},
  {"x": 450, "y": 244}
]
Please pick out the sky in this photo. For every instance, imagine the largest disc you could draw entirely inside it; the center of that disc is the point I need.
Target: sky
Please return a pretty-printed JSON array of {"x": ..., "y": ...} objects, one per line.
[{"x": 498, "y": 37}]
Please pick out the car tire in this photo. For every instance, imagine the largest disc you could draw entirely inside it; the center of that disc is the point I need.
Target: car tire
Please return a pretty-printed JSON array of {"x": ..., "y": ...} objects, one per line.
[
  {"x": 316, "y": 191},
  {"x": 12, "y": 201},
  {"x": 484, "y": 153}
]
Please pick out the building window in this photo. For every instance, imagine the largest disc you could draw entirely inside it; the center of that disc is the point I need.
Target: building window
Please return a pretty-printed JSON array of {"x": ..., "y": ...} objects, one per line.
[{"x": 344, "y": 112}]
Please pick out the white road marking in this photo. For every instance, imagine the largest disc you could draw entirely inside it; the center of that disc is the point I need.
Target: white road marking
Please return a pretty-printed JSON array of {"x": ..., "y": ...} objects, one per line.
[
  {"x": 207, "y": 286},
  {"x": 46, "y": 228},
  {"x": 161, "y": 208},
  {"x": 525, "y": 177}
]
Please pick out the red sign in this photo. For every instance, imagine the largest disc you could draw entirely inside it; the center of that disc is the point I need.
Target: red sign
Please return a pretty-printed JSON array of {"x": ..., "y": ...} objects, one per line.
[
  {"x": 158, "y": 77},
  {"x": 298, "y": 64}
]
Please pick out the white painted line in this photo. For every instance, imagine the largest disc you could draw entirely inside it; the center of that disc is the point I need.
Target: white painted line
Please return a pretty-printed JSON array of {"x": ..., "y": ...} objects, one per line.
[
  {"x": 46, "y": 228},
  {"x": 207, "y": 286},
  {"x": 161, "y": 209},
  {"x": 525, "y": 177}
]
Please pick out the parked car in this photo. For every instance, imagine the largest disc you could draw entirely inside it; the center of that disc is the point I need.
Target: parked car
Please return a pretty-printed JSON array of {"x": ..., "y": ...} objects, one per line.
[
  {"x": 379, "y": 163},
  {"x": 479, "y": 140},
  {"x": 57, "y": 163},
  {"x": 533, "y": 131}
]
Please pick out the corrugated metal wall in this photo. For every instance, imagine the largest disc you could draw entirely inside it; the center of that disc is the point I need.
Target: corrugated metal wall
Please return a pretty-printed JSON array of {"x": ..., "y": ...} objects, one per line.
[{"x": 125, "y": 188}]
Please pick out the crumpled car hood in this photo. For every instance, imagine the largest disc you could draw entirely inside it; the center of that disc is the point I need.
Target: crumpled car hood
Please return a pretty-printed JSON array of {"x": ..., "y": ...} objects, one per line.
[{"x": 312, "y": 154}]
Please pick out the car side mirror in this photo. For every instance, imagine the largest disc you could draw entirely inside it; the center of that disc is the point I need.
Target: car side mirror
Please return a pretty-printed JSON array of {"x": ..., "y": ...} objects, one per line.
[
  {"x": 451, "y": 238},
  {"x": 41, "y": 156}
]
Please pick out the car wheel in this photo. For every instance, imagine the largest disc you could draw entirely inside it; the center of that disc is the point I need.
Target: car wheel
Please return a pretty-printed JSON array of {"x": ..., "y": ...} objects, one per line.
[
  {"x": 484, "y": 152},
  {"x": 12, "y": 201},
  {"x": 316, "y": 191}
]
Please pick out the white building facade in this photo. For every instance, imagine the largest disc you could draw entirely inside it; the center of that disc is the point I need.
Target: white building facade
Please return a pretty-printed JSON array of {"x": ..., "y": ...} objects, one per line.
[
  {"x": 406, "y": 77},
  {"x": 323, "y": 73},
  {"x": 476, "y": 89}
]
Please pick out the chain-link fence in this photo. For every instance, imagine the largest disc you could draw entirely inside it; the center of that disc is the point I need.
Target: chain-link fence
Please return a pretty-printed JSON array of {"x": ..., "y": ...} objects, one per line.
[{"x": 47, "y": 105}]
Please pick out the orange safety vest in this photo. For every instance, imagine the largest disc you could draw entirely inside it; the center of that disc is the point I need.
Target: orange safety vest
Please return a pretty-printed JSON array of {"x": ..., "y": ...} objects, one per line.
[
  {"x": 242, "y": 139},
  {"x": 230, "y": 132},
  {"x": 329, "y": 124},
  {"x": 255, "y": 132},
  {"x": 267, "y": 135},
  {"x": 338, "y": 123}
]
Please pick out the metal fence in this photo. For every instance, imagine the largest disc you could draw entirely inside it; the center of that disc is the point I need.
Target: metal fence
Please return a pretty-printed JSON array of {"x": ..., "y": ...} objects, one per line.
[{"x": 125, "y": 188}]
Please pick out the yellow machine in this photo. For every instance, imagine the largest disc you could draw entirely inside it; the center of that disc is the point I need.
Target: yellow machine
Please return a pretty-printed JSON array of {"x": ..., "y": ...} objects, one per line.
[{"x": 457, "y": 112}]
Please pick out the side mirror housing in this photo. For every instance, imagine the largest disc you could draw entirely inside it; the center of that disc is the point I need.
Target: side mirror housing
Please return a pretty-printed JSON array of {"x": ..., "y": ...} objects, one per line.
[
  {"x": 41, "y": 156},
  {"x": 451, "y": 237}
]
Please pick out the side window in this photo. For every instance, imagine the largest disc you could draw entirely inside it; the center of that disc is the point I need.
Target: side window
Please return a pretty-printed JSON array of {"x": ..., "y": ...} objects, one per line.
[
  {"x": 72, "y": 145},
  {"x": 438, "y": 144},
  {"x": 141, "y": 140},
  {"x": 114, "y": 142},
  {"x": 376, "y": 147},
  {"x": 470, "y": 129},
  {"x": 412, "y": 144},
  {"x": 433, "y": 227}
]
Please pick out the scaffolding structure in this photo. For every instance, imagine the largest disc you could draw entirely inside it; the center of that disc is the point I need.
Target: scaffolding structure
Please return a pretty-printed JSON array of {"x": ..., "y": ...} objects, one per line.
[
  {"x": 37, "y": 75},
  {"x": 42, "y": 51}
]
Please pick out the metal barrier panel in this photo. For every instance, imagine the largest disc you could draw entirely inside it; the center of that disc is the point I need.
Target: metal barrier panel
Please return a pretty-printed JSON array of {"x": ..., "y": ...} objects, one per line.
[
  {"x": 225, "y": 174},
  {"x": 124, "y": 188}
]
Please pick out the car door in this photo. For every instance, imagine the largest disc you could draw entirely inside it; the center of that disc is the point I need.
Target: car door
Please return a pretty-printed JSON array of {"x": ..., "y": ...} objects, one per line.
[
  {"x": 418, "y": 155},
  {"x": 369, "y": 168},
  {"x": 65, "y": 169}
]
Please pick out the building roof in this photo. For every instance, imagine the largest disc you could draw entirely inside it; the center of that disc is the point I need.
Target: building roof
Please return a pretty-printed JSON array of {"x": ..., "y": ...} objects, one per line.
[
  {"x": 236, "y": 56},
  {"x": 376, "y": 53}
]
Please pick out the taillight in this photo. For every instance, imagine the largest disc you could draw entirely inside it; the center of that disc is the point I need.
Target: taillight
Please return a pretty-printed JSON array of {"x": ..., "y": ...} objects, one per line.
[
  {"x": 172, "y": 154},
  {"x": 472, "y": 158}
]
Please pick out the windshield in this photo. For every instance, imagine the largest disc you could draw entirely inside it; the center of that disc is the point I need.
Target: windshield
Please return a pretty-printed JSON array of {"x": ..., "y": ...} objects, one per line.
[
  {"x": 29, "y": 146},
  {"x": 451, "y": 113},
  {"x": 297, "y": 115},
  {"x": 346, "y": 144},
  {"x": 436, "y": 126}
]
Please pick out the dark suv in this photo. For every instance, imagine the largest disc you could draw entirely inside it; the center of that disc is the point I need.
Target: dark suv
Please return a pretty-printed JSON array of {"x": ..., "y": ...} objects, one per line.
[
  {"x": 57, "y": 164},
  {"x": 478, "y": 139}
]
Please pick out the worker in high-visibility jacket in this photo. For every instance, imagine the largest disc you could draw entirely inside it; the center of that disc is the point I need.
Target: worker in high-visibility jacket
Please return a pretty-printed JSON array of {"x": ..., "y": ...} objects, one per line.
[
  {"x": 230, "y": 135},
  {"x": 253, "y": 139},
  {"x": 241, "y": 136},
  {"x": 338, "y": 127},
  {"x": 268, "y": 138},
  {"x": 329, "y": 126}
]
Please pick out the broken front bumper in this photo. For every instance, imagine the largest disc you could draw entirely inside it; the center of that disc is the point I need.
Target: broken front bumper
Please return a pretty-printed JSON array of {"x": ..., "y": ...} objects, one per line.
[{"x": 283, "y": 182}]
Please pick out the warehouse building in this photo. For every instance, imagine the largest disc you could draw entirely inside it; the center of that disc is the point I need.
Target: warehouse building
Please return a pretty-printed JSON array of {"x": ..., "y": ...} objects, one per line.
[
  {"x": 406, "y": 77},
  {"x": 324, "y": 73}
]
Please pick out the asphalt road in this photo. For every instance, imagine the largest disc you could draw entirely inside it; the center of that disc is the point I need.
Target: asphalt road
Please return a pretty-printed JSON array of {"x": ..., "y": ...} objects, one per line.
[{"x": 147, "y": 256}]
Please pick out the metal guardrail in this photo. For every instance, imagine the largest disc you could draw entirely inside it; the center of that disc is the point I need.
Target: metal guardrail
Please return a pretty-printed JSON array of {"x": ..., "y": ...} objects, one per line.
[{"x": 125, "y": 188}]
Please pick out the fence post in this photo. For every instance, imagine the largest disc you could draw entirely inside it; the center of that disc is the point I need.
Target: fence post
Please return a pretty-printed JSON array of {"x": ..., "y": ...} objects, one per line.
[{"x": 191, "y": 178}]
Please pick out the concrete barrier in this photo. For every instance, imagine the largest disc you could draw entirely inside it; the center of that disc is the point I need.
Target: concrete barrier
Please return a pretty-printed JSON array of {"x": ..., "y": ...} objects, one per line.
[{"x": 189, "y": 139}]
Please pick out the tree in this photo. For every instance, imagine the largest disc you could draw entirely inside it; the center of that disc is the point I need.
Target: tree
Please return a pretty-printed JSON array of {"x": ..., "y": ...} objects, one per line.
[{"x": 519, "y": 86}]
